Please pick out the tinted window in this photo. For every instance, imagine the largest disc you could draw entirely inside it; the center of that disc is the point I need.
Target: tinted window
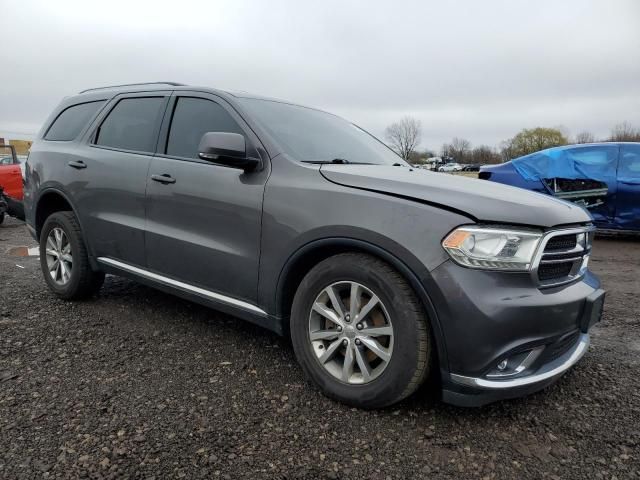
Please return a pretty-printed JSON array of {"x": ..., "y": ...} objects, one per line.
[
  {"x": 629, "y": 167},
  {"x": 69, "y": 123},
  {"x": 132, "y": 124},
  {"x": 192, "y": 118},
  {"x": 312, "y": 135}
]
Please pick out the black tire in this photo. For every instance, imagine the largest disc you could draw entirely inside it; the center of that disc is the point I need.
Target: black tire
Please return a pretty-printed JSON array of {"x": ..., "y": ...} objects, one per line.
[
  {"x": 409, "y": 364},
  {"x": 83, "y": 281},
  {"x": 2, "y": 217}
]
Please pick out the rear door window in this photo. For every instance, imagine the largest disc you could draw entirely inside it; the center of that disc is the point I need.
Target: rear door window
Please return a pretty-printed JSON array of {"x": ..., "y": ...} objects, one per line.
[
  {"x": 132, "y": 124},
  {"x": 192, "y": 118},
  {"x": 70, "y": 122}
]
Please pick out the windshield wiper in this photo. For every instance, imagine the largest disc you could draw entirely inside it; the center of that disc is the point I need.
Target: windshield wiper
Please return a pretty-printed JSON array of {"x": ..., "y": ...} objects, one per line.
[{"x": 336, "y": 161}]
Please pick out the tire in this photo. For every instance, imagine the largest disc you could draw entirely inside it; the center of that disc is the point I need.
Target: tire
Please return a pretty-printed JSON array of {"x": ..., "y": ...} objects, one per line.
[
  {"x": 2, "y": 217},
  {"x": 82, "y": 282},
  {"x": 407, "y": 349}
]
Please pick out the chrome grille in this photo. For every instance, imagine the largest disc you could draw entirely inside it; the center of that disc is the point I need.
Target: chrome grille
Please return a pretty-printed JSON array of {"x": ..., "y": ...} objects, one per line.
[{"x": 563, "y": 256}]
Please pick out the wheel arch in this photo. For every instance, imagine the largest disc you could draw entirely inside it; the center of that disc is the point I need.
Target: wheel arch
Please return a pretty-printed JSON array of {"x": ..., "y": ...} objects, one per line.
[
  {"x": 49, "y": 201},
  {"x": 314, "y": 252}
]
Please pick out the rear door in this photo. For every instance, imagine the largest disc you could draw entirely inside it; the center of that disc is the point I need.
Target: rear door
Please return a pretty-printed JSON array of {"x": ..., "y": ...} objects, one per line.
[
  {"x": 628, "y": 197},
  {"x": 108, "y": 177},
  {"x": 204, "y": 227}
]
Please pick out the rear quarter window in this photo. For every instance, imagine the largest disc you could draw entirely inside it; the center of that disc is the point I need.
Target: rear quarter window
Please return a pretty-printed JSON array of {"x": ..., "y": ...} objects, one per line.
[{"x": 71, "y": 120}]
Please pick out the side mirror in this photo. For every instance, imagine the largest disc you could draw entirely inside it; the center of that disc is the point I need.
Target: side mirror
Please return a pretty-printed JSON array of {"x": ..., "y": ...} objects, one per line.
[{"x": 227, "y": 149}]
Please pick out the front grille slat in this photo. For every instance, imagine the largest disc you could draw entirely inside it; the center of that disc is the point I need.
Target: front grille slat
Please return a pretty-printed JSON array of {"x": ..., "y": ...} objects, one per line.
[
  {"x": 562, "y": 242},
  {"x": 550, "y": 271},
  {"x": 563, "y": 256}
]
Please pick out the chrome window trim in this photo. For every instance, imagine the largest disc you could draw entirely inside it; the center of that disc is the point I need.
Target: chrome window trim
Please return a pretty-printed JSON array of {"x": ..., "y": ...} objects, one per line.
[
  {"x": 183, "y": 286},
  {"x": 576, "y": 273}
]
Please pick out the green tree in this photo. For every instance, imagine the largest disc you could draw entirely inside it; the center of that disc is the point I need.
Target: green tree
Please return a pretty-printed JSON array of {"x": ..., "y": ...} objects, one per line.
[{"x": 532, "y": 140}]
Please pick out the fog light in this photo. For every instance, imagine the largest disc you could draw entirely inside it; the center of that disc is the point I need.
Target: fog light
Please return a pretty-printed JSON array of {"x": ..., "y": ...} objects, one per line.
[{"x": 502, "y": 365}]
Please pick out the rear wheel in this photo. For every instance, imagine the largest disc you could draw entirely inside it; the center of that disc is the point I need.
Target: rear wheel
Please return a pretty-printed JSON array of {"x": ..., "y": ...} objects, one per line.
[
  {"x": 64, "y": 260},
  {"x": 1, "y": 218},
  {"x": 359, "y": 332}
]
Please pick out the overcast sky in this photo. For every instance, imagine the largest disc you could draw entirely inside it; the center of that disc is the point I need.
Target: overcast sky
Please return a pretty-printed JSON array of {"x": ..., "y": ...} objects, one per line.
[{"x": 481, "y": 70}]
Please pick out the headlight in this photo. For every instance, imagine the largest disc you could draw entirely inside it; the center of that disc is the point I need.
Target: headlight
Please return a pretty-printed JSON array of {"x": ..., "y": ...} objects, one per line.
[{"x": 492, "y": 248}]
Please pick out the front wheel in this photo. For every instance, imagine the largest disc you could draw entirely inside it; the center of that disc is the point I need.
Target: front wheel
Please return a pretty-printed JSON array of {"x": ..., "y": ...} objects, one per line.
[
  {"x": 359, "y": 331},
  {"x": 64, "y": 259}
]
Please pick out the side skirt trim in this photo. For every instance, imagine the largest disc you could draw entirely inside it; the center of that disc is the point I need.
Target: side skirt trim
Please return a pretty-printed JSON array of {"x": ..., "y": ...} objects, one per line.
[{"x": 183, "y": 286}]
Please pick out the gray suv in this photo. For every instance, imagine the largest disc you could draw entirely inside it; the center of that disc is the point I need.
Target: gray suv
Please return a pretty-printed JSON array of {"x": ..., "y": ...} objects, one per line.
[{"x": 303, "y": 223}]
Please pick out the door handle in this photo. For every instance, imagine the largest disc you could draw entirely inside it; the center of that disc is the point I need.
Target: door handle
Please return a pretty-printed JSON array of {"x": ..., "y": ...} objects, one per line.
[
  {"x": 79, "y": 164},
  {"x": 164, "y": 178}
]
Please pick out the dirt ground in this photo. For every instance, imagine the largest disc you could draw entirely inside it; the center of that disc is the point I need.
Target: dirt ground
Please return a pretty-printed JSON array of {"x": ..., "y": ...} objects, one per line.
[{"x": 138, "y": 384}]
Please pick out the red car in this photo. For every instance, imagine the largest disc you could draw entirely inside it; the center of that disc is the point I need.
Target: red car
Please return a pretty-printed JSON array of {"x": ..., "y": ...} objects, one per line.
[{"x": 11, "y": 182}]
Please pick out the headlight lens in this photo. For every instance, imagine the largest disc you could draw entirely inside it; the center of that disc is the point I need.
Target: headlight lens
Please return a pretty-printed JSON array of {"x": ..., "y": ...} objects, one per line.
[{"x": 492, "y": 248}]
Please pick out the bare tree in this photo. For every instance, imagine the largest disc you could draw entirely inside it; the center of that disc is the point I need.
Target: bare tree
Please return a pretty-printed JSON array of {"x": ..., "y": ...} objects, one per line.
[
  {"x": 484, "y": 155},
  {"x": 404, "y": 136},
  {"x": 584, "y": 137},
  {"x": 625, "y": 132},
  {"x": 459, "y": 149}
]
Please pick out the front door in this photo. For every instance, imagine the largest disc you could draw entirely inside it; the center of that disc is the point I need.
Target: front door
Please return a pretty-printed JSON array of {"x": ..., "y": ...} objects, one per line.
[
  {"x": 204, "y": 220},
  {"x": 628, "y": 198}
]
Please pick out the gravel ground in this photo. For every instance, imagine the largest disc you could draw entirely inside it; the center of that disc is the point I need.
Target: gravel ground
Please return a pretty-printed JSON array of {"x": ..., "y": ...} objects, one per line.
[{"x": 138, "y": 384}]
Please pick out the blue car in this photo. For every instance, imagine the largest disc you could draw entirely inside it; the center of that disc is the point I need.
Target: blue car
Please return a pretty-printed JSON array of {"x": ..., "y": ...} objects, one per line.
[{"x": 604, "y": 178}]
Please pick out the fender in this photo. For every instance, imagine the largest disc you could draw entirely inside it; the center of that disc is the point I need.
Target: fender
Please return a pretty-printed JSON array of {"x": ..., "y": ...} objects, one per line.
[
  {"x": 346, "y": 243},
  {"x": 58, "y": 191}
]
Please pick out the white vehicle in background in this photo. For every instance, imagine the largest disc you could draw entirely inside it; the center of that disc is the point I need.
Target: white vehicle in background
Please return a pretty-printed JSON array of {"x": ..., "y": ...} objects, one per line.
[
  {"x": 22, "y": 159},
  {"x": 450, "y": 167}
]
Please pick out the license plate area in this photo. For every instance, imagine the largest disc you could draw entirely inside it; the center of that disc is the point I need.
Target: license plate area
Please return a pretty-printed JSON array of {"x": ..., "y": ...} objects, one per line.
[{"x": 592, "y": 313}]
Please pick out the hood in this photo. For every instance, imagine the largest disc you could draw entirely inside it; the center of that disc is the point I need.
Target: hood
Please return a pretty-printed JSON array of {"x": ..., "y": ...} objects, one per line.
[{"x": 479, "y": 200}]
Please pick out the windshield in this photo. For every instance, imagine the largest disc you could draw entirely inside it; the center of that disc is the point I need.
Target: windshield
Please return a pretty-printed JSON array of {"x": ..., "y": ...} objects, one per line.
[{"x": 313, "y": 136}]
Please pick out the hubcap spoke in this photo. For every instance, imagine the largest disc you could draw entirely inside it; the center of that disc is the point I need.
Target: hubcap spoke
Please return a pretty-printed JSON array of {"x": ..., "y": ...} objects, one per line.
[
  {"x": 326, "y": 313},
  {"x": 367, "y": 308},
  {"x": 335, "y": 301},
  {"x": 347, "y": 367},
  {"x": 324, "y": 335},
  {"x": 364, "y": 365},
  {"x": 51, "y": 244},
  {"x": 354, "y": 300},
  {"x": 377, "y": 331},
  {"x": 373, "y": 345},
  {"x": 58, "y": 237},
  {"x": 330, "y": 351}
]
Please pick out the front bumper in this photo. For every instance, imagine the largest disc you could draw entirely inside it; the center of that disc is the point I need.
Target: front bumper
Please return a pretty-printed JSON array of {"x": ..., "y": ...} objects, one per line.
[{"x": 493, "y": 317}]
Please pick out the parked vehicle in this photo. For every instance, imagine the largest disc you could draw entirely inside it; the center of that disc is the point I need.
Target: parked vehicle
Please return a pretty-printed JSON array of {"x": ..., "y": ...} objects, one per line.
[
  {"x": 11, "y": 181},
  {"x": 604, "y": 178},
  {"x": 382, "y": 274},
  {"x": 450, "y": 167},
  {"x": 472, "y": 167}
]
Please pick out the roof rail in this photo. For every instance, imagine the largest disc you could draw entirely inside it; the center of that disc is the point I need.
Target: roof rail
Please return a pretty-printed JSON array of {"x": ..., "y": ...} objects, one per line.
[{"x": 173, "y": 84}]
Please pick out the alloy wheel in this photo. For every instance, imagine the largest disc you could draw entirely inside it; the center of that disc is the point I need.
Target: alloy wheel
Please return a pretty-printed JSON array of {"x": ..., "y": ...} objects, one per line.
[
  {"x": 59, "y": 256},
  {"x": 350, "y": 332}
]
